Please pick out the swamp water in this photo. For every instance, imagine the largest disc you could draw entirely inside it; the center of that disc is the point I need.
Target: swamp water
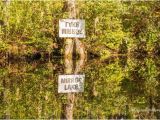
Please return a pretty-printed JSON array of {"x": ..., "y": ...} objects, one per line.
[{"x": 118, "y": 87}]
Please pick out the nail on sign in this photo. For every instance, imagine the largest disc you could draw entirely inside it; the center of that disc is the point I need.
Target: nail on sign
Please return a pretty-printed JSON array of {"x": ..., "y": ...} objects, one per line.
[
  {"x": 74, "y": 28},
  {"x": 70, "y": 83}
]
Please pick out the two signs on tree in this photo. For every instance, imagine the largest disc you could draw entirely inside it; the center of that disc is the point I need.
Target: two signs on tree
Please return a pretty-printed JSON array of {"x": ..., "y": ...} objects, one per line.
[{"x": 71, "y": 28}]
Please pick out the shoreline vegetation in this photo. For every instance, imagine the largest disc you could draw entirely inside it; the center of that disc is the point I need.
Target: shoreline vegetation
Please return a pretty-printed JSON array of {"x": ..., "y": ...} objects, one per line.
[{"x": 29, "y": 29}]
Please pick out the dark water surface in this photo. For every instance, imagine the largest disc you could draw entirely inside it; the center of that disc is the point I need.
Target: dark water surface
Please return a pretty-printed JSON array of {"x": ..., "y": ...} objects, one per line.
[{"x": 118, "y": 87}]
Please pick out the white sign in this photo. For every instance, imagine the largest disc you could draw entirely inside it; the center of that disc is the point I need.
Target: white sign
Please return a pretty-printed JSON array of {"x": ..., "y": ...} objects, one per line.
[
  {"x": 74, "y": 28},
  {"x": 70, "y": 83}
]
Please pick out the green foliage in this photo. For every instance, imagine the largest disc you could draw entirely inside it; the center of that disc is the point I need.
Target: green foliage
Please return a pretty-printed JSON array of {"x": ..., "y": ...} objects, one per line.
[
  {"x": 103, "y": 23},
  {"x": 29, "y": 24},
  {"x": 3, "y": 46},
  {"x": 141, "y": 20},
  {"x": 29, "y": 90},
  {"x": 112, "y": 87},
  {"x": 34, "y": 24}
]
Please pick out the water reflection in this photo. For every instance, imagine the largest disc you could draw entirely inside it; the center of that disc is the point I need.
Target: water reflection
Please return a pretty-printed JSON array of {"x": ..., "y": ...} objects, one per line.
[
  {"x": 71, "y": 67},
  {"x": 118, "y": 87}
]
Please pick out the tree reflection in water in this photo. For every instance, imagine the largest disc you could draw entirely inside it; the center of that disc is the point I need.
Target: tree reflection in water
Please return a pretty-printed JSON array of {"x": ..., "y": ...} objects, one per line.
[{"x": 115, "y": 88}]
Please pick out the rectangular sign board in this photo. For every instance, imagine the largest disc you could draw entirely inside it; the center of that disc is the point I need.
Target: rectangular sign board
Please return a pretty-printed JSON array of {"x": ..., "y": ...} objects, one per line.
[
  {"x": 70, "y": 83},
  {"x": 73, "y": 28}
]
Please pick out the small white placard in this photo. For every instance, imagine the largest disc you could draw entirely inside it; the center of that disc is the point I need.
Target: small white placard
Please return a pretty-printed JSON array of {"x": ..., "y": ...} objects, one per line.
[
  {"x": 70, "y": 83},
  {"x": 73, "y": 28}
]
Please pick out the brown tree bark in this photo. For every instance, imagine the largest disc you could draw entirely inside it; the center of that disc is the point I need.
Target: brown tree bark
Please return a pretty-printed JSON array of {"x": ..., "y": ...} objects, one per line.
[
  {"x": 69, "y": 43},
  {"x": 70, "y": 69},
  {"x": 68, "y": 56}
]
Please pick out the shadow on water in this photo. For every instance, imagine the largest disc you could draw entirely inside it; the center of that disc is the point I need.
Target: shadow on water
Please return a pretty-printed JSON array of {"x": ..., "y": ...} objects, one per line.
[{"x": 118, "y": 87}]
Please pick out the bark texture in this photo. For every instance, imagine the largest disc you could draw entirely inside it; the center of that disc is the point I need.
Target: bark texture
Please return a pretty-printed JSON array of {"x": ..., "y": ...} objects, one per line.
[
  {"x": 70, "y": 67},
  {"x": 69, "y": 43}
]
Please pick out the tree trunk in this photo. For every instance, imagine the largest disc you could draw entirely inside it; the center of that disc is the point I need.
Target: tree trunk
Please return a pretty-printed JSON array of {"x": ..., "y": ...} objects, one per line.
[
  {"x": 6, "y": 22},
  {"x": 70, "y": 69},
  {"x": 69, "y": 66},
  {"x": 6, "y": 10},
  {"x": 69, "y": 43},
  {"x": 70, "y": 96}
]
